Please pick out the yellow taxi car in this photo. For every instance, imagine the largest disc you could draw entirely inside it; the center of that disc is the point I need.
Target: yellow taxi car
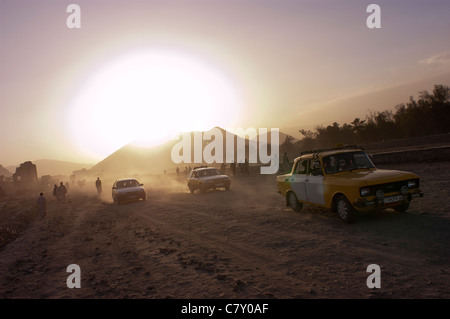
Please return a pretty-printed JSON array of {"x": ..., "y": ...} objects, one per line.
[{"x": 346, "y": 181}]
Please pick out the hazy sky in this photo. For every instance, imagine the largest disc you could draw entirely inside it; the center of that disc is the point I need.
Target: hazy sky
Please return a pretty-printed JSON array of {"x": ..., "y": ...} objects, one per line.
[{"x": 73, "y": 94}]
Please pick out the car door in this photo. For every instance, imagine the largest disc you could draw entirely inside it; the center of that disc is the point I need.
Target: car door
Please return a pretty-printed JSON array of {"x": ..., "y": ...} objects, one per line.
[
  {"x": 298, "y": 179},
  {"x": 193, "y": 180},
  {"x": 314, "y": 183}
]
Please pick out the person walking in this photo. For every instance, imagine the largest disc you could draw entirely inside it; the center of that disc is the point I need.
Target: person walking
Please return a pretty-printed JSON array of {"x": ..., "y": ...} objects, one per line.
[
  {"x": 223, "y": 168},
  {"x": 98, "y": 185},
  {"x": 233, "y": 168},
  {"x": 56, "y": 192},
  {"x": 62, "y": 191},
  {"x": 42, "y": 205}
]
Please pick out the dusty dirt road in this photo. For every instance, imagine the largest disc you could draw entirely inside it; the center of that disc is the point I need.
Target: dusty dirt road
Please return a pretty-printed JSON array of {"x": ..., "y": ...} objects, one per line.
[{"x": 242, "y": 243}]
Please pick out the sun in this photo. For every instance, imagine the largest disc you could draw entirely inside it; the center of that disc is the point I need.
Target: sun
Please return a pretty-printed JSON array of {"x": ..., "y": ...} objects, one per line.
[{"x": 146, "y": 97}]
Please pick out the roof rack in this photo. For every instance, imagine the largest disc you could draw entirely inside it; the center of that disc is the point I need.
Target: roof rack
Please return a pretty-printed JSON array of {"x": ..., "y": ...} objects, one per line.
[{"x": 315, "y": 152}]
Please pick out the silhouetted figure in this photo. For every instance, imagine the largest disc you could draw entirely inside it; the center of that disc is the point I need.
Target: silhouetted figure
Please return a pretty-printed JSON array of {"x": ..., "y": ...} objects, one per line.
[
  {"x": 98, "y": 185},
  {"x": 285, "y": 158},
  {"x": 56, "y": 193},
  {"x": 241, "y": 168},
  {"x": 233, "y": 168},
  {"x": 62, "y": 191},
  {"x": 286, "y": 163},
  {"x": 222, "y": 168},
  {"x": 42, "y": 205}
]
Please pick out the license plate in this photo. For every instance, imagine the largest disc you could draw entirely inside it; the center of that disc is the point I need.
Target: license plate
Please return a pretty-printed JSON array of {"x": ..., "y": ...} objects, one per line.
[{"x": 393, "y": 199}]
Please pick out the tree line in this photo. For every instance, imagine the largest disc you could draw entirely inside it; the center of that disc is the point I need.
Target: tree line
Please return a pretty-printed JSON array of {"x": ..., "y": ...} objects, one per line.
[{"x": 428, "y": 115}]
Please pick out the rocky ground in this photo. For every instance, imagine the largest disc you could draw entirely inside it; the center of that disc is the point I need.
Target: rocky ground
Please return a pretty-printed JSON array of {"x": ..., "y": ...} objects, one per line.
[{"x": 242, "y": 243}]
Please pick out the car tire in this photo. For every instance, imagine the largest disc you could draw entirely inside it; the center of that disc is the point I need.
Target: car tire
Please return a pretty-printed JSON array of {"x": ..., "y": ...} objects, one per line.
[
  {"x": 227, "y": 187},
  {"x": 292, "y": 202},
  {"x": 202, "y": 188},
  {"x": 402, "y": 208},
  {"x": 191, "y": 189},
  {"x": 344, "y": 209}
]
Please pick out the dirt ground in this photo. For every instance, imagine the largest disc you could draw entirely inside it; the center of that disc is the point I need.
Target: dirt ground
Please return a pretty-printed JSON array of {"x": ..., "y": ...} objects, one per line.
[{"x": 242, "y": 243}]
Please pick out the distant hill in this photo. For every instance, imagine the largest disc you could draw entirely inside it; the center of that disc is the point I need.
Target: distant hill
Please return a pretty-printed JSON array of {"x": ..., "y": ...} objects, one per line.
[
  {"x": 4, "y": 171},
  {"x": 130, "y": 159},
  {"x": 54, "y": 167},
  {"x": 282, "y": 138}
]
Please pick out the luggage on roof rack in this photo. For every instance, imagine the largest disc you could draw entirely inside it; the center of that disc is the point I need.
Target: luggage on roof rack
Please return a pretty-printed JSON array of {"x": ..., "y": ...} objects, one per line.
[{"x": 345, "y": 147}]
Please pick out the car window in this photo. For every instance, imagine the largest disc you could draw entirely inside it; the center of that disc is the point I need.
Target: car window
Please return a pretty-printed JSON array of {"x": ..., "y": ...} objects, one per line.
[
  {"x": 301, "y": 167},
  {"x": 330, "y": 164},
  {"x": 346, "y": 162},
  {"x": 128, "y": 183},
  {"x": 208, "y": 172},
  {"x": 361, "y": 160},
  {"x": 212, "y": 172},
  {"x": 120, "y": 184},
  {"x": 133, "y": 184},
  {"x": 315, "y": 168}
]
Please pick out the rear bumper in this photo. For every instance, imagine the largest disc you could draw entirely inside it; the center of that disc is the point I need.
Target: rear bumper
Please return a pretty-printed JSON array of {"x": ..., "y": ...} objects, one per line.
[{"x": 217, "y": 184}]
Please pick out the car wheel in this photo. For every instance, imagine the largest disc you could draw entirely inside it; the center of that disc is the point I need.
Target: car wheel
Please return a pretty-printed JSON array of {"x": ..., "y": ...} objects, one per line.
[
  {"x": 227, "y": 187},
  {"x": 344, "y": 209},
  {"x": 191, "y": 189},
  {"x": 293, "y": 202},
  {"x": 202, "y": 188},
  {"x": 144, "y": 197},
  {"x": 402, "y": 208}
]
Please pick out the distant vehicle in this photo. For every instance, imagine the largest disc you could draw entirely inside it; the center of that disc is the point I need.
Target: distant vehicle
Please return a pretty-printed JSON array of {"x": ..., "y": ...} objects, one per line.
[
  {"x": 204, "y": 178},
  {"x": 128, "y": 189},
  {"x": 346, "y": 181}
]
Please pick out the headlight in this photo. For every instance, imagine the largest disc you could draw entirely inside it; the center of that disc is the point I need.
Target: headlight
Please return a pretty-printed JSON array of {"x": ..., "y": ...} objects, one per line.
[
  {"x": 365, "y": 191},
  {"x": 404, "y": 190},
  {"x": 379, "y": 194},
  {"x": 412, "y": 184}
]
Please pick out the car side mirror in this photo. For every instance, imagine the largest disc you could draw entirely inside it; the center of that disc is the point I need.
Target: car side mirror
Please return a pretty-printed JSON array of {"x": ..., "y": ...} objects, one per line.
[
  {"x": 113, "y": 187},
  {"x": 141, "y": 184}
]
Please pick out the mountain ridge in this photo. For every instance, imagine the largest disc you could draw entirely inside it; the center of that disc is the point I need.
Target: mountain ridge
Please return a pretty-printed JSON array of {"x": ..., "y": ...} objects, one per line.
[{"x": 131, "y": 159}]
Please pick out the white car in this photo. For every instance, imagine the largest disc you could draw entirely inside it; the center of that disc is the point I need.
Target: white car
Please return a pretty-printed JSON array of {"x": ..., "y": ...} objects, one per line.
[
  {"x": 204, "y": 178},
  {"x": 128, "y": 189}
]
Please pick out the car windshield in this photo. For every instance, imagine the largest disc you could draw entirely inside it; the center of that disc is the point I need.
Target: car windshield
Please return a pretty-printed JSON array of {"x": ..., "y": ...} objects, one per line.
[
  {"x": 208, "y": 172},
  {"x": 127, "y": 183},
  {"x": 346, "y": 162}
]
